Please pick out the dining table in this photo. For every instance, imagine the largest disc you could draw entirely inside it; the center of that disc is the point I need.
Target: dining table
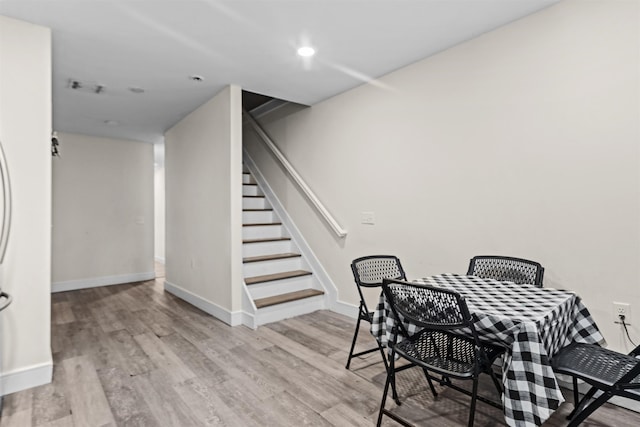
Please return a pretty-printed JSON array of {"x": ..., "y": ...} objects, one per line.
[{"x": 531, "y": 323}]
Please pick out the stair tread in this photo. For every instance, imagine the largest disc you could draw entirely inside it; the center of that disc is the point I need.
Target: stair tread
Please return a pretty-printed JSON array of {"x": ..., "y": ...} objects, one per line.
[
  {"x": 288, "y": 297},
  {"x": 275, "y": 276},
  {"x": 244, "y": 195},
  {"x": 253, "y": 224},
  {"x": 270, "y": 257},
  {"x": 266, "y": 239}
]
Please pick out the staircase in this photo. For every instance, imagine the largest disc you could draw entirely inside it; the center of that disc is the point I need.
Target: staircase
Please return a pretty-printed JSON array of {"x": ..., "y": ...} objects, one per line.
[{"x": 277, "y": 277}]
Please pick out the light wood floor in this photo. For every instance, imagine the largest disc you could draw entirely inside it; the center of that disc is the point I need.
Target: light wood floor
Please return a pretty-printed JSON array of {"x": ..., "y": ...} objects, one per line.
[{"x": 133, "y": 355}]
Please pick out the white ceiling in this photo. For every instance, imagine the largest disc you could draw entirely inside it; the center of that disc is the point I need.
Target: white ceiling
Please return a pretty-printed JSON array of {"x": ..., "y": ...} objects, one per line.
[{"x": 157, "y": 44}]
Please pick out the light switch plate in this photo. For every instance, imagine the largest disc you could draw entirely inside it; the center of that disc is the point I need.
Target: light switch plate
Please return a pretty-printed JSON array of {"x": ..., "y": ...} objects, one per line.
[{"x": 368, "y": 218}]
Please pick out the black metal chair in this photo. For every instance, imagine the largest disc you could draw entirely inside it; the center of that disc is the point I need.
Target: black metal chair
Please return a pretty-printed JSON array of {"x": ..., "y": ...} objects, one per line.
[
  {"x": 439, "y": 347},
  {"x": 511, "y": 269},
  {"x": 368, "y": 272},
  {"x": 612, "y": 373}
]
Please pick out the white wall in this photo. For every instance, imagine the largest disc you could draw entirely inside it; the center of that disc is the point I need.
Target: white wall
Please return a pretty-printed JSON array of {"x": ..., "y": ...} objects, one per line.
[
  {"x": 203, "y": 170},
  {"x": 524, "y": 142},
  {"x": 158, "y": 189},
  {"x": 25, "y": 132},
  {"x": 103, "y": 212}
]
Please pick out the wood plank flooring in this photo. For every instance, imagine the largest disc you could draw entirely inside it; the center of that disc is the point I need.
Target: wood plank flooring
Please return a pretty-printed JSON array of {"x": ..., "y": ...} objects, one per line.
[{"x": 134, "y": 355}]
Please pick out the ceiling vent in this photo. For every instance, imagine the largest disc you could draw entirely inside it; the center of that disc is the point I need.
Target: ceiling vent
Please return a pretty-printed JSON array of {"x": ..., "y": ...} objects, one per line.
[{"x": 87, "y": 87}]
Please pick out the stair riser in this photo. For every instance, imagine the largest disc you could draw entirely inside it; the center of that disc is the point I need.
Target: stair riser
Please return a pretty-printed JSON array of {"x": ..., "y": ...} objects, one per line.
[
  {"x": 254, "y": 203},
  {"x": 266, "y": 248},
  {"x": 278, "y": 287},
  {"x": 257, "y": 217},
  {"x": 275, "y": 287},
  {"x": 290, "y": 309},
  {"x": 250, "y": 190},
  {"x": 260, "y": 268},
  {"x": 262, "y": 231}
]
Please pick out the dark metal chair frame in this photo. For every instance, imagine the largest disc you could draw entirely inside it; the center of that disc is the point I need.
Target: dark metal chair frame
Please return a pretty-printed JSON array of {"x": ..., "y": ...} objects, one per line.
[
  {"x": 517, "y": 270},
  {"x": 386, "y": 266},
  {"x": 612, "y": 373},
  {"x": 439, "y": 347}
]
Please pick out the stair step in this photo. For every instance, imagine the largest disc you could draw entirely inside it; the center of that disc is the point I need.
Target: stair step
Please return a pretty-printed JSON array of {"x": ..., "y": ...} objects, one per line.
[
  {"x": 277, "y": 276},
  {"x": 261, "y": 223},
  {"x": 260, "y": 197},
  {"x": 268, "y": 239},
  {"x": 270, "y": 257},
  {"x": 291, "y": 296}
]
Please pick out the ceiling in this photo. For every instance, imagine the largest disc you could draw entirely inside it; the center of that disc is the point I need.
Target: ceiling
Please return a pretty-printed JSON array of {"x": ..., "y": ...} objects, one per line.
[{"x": 113, "y": 46}]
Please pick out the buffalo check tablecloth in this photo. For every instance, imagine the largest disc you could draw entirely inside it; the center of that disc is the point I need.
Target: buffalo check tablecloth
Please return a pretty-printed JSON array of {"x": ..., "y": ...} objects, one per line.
[{"x": 531, "y": 323}]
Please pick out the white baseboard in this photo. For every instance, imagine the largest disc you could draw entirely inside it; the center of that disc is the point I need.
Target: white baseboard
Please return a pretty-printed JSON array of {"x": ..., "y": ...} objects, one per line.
[
  {"x": 72, "y": 285},
  {"x": 345, "y": 309},
  {"x": 230, "y": 318},
  {"x": 623, "y": 402},
  {"x": 24, "y": 378}
]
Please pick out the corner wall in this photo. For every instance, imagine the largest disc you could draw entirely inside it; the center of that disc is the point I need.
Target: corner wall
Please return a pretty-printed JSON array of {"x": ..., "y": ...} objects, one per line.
[
  {"x": 25, "y": 133},
  {"x": 103, "y": 212},
  {"x": 523, "y": 142},
  {"x": 203, "y": 181},
  {"x": 159, "y": 206}
]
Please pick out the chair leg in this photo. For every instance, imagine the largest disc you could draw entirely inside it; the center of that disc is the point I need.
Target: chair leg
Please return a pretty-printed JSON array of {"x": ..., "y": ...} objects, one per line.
[
  {"x": 355, "y": 337},
  {"x": 576, "y": 398},
  {"x": 579, "y": 405},
  {"x": 433, "y": 389},
  {"x": 394, "y": 393},
  {"x": 474, "y": 395},
  {"x": 497, "y": 383},
  {"x": 582, "y": 415},
  {"x": 384, "y": 395}
]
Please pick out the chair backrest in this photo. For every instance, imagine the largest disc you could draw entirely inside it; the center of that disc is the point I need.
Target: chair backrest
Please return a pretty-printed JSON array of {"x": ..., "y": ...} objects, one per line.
[
  {"x": 511, "y": 269},
  {"x": 427, "y": 306},
  {"x": 370, "y": 271}
]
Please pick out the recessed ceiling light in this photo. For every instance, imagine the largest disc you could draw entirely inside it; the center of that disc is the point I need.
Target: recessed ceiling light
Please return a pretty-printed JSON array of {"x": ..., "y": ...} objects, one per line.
[
  {"x": 136, "y": 89},
  {"x": 306, "y": 51},
  {"x": 196, "y": 78}
]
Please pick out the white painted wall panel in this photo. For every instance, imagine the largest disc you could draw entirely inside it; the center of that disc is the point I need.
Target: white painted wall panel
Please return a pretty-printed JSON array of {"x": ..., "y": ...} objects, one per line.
[
  {"x": 103, "y": 209},
  {"x": 524, "y": 141},
  {"x": 25, "y": 132},
  {"x": 203, "y": 180}
]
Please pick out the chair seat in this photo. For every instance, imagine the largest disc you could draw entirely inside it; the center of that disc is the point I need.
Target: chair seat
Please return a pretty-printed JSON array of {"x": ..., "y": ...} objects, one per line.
[
  {"x": 595, "y": 365},
  {"x": 445, "y": 353}
]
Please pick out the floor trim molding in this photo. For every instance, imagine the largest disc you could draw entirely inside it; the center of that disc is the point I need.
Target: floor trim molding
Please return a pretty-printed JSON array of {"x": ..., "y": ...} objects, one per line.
[
  {"x": 94, "y": 282},
  {"x": 24, "y": 378},
  {"x": 630, "y": 404},
  {"x": 345, "y": 309},
  {"x": 231, "y": 318}
]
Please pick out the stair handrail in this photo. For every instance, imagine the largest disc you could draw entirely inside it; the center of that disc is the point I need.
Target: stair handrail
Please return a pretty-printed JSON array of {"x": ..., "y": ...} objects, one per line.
[{"x": 337, "y": 229}]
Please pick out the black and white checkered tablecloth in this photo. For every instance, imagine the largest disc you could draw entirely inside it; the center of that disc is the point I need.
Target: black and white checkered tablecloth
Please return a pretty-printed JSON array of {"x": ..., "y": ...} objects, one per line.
[{"x": 532, "y": 323}]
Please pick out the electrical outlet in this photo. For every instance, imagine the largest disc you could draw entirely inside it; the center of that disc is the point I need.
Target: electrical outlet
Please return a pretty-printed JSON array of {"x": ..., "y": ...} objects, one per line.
[{"x": 621, "y": 309}]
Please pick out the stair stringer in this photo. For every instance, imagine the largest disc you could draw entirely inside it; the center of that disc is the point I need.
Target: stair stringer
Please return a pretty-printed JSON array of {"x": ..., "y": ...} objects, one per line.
[
  {"x": 249, "y": 309},
  {"x": 331, "y": 292}
]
